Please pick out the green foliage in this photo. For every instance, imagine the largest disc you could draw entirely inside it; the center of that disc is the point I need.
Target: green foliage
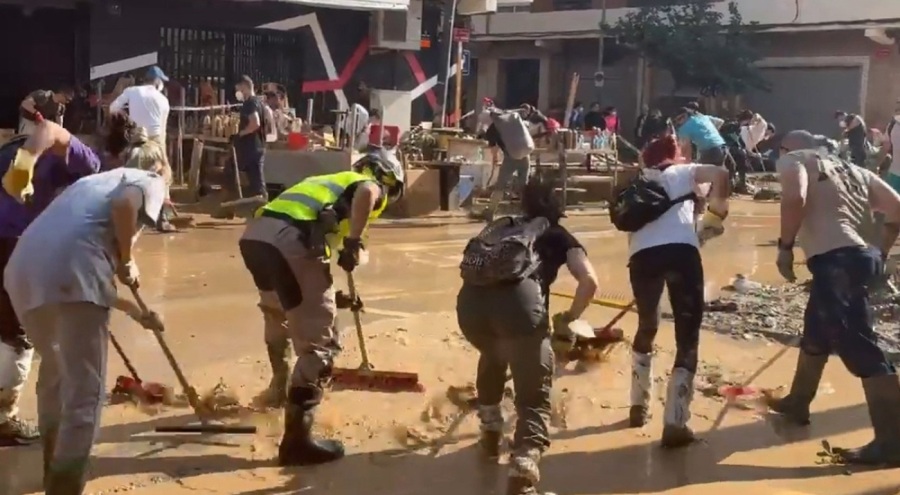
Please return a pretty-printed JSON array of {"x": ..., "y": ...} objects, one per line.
[{"x": 701, "y": 47}]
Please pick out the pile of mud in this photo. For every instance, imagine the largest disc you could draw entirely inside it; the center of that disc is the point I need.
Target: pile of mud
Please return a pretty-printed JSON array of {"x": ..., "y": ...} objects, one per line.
[{"x": 753, "y": 310}]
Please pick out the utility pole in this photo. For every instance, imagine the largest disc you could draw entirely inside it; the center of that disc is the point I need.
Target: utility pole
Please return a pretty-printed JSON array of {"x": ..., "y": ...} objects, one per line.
[
  {"x": 447, "y": 57},
  {"x": 599, "y": 81}
]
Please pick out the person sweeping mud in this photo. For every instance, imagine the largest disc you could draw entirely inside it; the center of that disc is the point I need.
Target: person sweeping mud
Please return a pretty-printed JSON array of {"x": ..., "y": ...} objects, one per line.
[
  {"x": 503, "y": 311},
  {"x": 57, "y": 159},
  {"x": 61, "y": 281},
  {"x": 826, "y": 206},
  {"x": 286, "y": 249},
  {"x": 664, "y": 252}
]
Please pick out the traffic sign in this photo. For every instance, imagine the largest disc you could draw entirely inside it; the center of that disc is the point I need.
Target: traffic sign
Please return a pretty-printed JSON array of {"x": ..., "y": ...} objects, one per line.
[
  {"x": 466, "y": 62},
  {"x": 461, "y": 35}
]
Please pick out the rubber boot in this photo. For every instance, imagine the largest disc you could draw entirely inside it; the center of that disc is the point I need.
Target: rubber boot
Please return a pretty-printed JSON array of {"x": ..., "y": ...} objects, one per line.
[
  {"x": 795, "y": 405},
  {"x": 298, "y": 448},
  {"x": 883, "y": 399},
  {"x": 676, "y": 433},
  {"x": 491, "y": 430},
  {"x": 524, "y": 474},
  {"x": 48, "y": 443},
  {"x": 66, "y": 479},
  {"x": 18, "y": 432},
  {"x": 275, "y": 396},
  {"x": 641, "y": 389}
]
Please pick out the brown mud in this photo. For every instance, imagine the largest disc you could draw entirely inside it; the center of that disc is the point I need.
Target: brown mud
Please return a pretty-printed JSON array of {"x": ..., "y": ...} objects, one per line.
[{"x": 424, "y": 444}]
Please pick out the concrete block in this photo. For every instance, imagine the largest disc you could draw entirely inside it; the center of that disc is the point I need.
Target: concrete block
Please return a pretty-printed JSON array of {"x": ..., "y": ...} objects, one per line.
[{"x": 422, "y": 196}]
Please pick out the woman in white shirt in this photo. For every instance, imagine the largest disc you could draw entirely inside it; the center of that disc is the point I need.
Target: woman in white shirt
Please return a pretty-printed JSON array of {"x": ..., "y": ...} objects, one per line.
[{"x": 666, "y": 252}]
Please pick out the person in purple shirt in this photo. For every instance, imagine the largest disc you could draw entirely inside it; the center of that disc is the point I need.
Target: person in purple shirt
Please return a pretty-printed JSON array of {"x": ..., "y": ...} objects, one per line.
[{"x": 62, "y": 160}]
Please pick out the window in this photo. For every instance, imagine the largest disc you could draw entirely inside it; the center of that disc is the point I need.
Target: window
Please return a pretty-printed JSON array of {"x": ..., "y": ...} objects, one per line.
[{"x": 572, "y": 4}]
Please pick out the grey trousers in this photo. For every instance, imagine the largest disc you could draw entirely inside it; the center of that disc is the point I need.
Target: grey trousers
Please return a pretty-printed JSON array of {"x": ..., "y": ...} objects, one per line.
[
  {"x": 72, "y": 340},
  {"x": 509, "y": 327}
]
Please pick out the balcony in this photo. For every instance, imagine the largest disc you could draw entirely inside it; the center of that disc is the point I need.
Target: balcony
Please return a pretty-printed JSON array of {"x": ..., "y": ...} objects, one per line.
[{"x": 777, "y": 15}]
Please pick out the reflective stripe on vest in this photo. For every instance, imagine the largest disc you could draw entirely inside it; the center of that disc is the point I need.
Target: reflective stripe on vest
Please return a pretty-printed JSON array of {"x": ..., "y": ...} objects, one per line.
[{"x": 305, "y": 200}]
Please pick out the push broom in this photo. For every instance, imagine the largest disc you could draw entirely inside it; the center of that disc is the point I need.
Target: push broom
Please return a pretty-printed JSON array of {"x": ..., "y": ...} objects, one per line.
[
  {"x": 365, "y": 377},
  {"x": 190, "y": 392}
]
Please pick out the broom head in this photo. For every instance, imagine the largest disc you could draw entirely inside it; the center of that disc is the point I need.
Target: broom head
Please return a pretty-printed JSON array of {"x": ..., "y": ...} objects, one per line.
[
  {"x": 377, "y": 381},
  {"x": 146, "y": 393}
]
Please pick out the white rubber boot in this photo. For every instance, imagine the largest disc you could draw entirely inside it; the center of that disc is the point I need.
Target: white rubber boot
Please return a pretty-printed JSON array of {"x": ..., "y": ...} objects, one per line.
[
  {"x": 679, "y": 395},
  {"x": 641, "y": 389}
]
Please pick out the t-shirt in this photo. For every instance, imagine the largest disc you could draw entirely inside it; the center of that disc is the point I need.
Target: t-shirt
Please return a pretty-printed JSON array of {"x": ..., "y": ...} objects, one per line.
[
  {"x": 52, "y": 172},
  {"x": 676, "y": 226},
  {"x": 856, "y": 137},
  {"x": 893, "y": 135},
  {"x": 838, "y": 213},
  {"x": 68, "y": 253},
  {"x": 552, "y": 248},
  {"x": 702, "y": 132},
  {"x": 254, "y": 140},
  {"x": 147, "y": 107}
]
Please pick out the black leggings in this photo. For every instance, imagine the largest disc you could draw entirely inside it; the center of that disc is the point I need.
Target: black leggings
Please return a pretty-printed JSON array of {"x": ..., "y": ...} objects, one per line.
[{"x": 678, "y": 267}]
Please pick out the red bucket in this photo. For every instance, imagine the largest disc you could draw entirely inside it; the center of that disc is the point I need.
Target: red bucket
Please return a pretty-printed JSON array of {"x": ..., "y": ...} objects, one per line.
[{"x": 297, "y": 141}]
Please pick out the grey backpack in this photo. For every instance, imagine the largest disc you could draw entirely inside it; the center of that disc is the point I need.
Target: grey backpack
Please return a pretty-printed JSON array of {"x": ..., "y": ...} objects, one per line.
[
  {"x": 514, "y": 133},
  {"x": 503, "y": 252}
]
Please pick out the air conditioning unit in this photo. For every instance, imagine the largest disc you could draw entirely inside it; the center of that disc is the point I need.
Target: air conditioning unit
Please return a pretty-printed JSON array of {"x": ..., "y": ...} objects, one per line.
[
  {"x": 476, "y": 7},
  {"x": 397, "y": 29}
]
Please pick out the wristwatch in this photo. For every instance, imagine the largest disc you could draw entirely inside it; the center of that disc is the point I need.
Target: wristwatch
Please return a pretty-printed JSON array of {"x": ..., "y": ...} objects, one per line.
[{"x": 784, "y": 245}]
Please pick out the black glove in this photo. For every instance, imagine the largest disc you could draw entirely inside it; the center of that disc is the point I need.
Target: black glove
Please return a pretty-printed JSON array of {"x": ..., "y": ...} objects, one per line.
[{"x": 349, "y": 257}]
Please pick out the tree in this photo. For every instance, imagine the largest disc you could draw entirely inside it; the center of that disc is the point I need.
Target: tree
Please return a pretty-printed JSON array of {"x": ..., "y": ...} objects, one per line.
[{"x": 699, "y": 46}]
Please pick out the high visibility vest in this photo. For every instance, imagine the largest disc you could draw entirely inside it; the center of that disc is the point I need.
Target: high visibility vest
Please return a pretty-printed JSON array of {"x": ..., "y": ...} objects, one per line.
[{"x": 304, "y": 201}]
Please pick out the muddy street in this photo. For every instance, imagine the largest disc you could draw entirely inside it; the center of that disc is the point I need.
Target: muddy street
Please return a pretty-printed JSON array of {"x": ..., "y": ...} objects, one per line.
[{"x": 197, "y": 282}]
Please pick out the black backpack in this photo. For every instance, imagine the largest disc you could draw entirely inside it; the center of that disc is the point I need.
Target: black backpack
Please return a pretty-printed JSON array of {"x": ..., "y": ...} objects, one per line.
[
  {"x": 643, "y": 201},
  {"x": 503, "y": 252}
]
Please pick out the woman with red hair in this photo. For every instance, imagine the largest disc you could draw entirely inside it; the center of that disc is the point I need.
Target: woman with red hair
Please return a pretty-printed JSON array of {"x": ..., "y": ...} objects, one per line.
[{"x": 665, "y": 253}]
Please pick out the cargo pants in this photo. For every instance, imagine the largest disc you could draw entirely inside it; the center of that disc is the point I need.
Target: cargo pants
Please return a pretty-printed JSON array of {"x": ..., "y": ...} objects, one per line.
[
  {"x": 838, "y": 318},
  {"x": 296, "y": 297},
  {"x": 510, "y": 328},
  {"x": 72, "y": 340}
]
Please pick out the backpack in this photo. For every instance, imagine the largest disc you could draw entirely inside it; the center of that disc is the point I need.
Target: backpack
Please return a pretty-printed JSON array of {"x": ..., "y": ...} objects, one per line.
[
  {"x": 503, "y": 252},
  {"x": 642, "y": 202}
]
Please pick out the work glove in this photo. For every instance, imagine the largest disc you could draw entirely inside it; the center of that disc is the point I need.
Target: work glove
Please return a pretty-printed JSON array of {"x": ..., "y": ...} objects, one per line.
[
  {"x": 17, "y": 181},
  {"x": 710, "y": 225},
  {"x": 151, "y": 321},
  {"x": 128, "y": 273},
  {"x": 348, "y": 259},
  {"x": 785, "y": 261}
]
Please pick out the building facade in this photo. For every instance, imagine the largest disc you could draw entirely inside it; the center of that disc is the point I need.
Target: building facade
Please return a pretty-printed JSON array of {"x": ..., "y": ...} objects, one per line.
[
  {"x": 820, "y": 57},
  {"x": 314, "y": 51}
]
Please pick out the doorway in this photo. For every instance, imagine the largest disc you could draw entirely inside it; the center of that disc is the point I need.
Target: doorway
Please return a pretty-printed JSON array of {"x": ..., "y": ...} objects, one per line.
[
  {"x": 522, "y": 81},
  {"x": 40, "y": 52}
]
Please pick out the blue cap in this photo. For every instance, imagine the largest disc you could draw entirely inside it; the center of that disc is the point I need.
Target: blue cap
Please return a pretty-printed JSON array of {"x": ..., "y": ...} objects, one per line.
[{"x": 156, "y": 73}]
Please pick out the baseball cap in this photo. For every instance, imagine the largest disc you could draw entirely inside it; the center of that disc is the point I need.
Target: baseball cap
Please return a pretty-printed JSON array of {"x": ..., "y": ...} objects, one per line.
[{"x": 156, "y": 73}]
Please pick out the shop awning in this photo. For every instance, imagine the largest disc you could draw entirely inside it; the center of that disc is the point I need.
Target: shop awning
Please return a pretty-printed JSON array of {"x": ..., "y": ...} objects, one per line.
[{"x": 355, "y": 4}]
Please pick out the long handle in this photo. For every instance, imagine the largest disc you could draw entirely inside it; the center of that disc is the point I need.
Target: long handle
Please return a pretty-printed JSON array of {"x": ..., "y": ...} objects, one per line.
[
  {"x": 351, "y": 287},
  {"x": 619, "y": 316},
  {"x": 189, "y": 391},
  {"x": 121, "y": 352},
  {"x": 237, "y": 173}
]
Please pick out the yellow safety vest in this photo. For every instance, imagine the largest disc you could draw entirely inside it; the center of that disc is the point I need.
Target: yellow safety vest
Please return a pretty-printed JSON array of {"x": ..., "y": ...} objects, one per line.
[{"x": 304, "y": 201}]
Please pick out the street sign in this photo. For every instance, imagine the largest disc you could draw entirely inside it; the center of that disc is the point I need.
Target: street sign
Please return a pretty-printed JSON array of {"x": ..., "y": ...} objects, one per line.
[
  {"x": 466, "y": 62},
  {"x": 461, "y": 35}
]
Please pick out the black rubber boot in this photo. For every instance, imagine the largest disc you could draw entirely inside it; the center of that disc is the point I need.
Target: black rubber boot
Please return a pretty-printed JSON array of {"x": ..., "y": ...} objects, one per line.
[
  {"x": 795, "y": 405},
  {"x": 48, "y": 444},
  {"x": 69, "y": 479},
  {"x": 883, "y": 399},
  {"x": 298, "y": 448},
  {"x": 490, "y": 443},
  {"x": 276, "y": 394}
]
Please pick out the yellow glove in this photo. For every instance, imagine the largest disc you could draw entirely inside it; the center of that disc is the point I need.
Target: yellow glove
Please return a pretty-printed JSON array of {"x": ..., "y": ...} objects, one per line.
[
  {"x": 710, "y": 225},
  {"x": 17, "y": 179}
]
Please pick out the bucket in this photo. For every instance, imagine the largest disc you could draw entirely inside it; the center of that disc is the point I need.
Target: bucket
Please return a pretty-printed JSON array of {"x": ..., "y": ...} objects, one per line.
[{"x": 297, "y": 141}]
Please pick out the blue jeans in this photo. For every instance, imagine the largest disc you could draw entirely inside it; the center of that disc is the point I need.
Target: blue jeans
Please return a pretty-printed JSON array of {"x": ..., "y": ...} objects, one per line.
[
  {"x": 838, "y": 318},
  {"x": 252, "y": 160}
]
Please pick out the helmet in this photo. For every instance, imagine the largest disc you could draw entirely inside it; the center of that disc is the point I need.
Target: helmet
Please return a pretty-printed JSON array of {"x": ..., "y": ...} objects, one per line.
[{"x": 382, "y": 164}]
